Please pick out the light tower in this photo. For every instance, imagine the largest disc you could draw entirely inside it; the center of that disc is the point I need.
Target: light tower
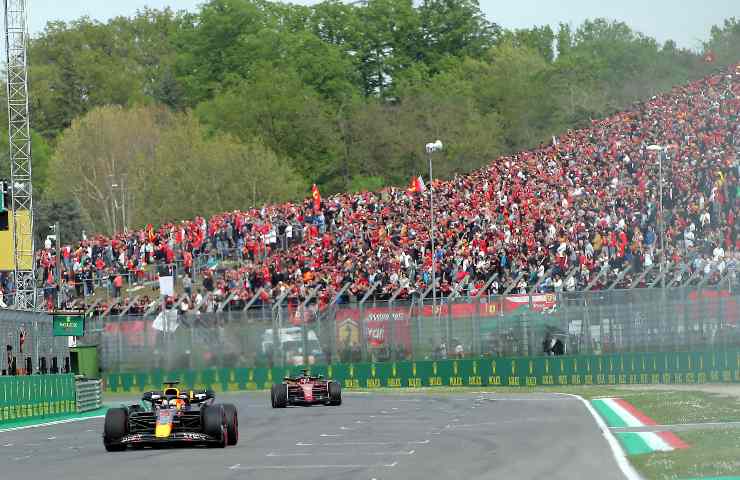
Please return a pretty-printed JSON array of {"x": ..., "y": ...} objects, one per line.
[{"x": 19, "y": 132}]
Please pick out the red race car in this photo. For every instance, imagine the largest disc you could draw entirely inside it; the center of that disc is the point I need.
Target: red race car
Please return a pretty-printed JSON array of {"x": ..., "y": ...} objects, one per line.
[{"x": 306, "y": 390}]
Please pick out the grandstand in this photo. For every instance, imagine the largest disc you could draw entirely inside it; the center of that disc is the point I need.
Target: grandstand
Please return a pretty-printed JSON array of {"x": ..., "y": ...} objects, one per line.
[{"x": 580, "y": 212}]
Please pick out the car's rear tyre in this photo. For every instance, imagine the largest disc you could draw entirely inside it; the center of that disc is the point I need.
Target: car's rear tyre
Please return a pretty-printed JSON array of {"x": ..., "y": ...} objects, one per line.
[
  {"x": 213, "y": 420},
  {"x": 232, "y": 424},
  {"x": 115, "y": 427},
  {"x": 335, "y": 393},
  {"x": 279, "y": 396}
]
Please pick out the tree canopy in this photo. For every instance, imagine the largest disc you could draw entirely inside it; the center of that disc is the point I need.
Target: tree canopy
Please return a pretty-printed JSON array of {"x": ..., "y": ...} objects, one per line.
[{"x": 342, "y": 95}]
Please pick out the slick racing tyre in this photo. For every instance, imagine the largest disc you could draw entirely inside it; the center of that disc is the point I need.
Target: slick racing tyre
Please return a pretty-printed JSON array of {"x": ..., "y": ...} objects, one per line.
[
  {"x": 279, "y": 396},
  {"x": 213, "y": 420},
  {"x": 335, "y": 393},
  {"x": 115, "y": 427},
  {"x": 232, "y": 424}
]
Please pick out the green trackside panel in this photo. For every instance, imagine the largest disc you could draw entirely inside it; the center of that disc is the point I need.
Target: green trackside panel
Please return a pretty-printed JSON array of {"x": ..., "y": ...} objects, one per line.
[
  {"x": 141, "y": 380},
  {"x": 375, "y": 374},
  {"x": 260, "y": 377},
  {"x": 402, "y": 375},
  {"x": 127, "y": 381},
  {"x": 422, "y": 374},
  {"x": 222, "y": 378},
  {"x": 3, "y": 399},
  {"x": 157, "y": 379},
  {"x": 342, "y": 374},
  {"x": 241, "y": 376},
  {"x": 113, "y": 382},
  {"x": 497, "y": 371},
  {"x": 207, "y": 379},
  {"x": 411, "y": 374}
]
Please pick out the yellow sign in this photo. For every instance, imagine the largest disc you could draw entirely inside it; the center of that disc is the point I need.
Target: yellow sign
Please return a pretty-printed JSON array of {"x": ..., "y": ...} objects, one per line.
[{"x": 7, "y": 253}]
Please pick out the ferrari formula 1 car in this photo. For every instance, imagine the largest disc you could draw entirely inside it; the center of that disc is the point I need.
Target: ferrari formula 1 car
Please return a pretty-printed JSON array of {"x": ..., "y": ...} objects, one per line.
[
  {"x": 172, "y": 417},
  {"x": 306, "y": 390}
]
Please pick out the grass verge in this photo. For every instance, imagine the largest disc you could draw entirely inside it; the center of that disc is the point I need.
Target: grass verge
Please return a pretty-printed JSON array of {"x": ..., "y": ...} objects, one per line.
[
  {"x": 712, "y": 453},
  {"x": 679, "y": 407}
]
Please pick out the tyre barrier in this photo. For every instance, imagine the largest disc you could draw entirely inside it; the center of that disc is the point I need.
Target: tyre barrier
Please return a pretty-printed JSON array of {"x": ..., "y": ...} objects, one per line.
[
  {"x": 88, "y": 395},
  {"x": 678, "y": 368}
]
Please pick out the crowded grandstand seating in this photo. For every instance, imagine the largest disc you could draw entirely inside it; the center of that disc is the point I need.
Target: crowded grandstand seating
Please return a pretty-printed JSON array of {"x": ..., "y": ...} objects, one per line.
[{"x": 580, "y": 211}]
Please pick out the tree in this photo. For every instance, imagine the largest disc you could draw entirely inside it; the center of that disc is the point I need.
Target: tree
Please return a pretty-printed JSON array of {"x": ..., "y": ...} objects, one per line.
[
  {"x": 99, "y": 150},
  {"x": 75, "y": 68},
  {"x": 455, "y": 28},
  {"x": 289, "y": 116},
  {"x": 540, "y": 39},
  {"x": 724, "y": 41},
  {"x": 202, "y": 175}
]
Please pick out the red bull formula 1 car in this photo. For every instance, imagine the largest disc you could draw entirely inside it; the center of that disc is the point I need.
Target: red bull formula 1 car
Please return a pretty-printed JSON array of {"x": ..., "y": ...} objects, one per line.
[
  {"x": 172, "y": 417},
  {"x": 306, "y": 390}
]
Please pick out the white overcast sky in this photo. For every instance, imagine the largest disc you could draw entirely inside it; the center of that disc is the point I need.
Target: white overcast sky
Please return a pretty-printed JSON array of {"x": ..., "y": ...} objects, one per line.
[{"x": 685, "y": 21}]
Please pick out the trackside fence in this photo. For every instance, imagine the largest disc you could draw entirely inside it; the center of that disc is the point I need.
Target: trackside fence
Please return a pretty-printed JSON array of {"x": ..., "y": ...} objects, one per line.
[
  {"x": 679, "y": 368},
  {"x": 36, "y": 396},
  {"x": 287, "y": 333}
]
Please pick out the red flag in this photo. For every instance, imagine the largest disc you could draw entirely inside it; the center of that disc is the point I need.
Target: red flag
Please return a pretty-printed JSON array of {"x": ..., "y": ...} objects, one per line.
[
  {"x": 150, "y": 232},
  {"x": 417, "y": 185},
  {"x": 316, "y": 197}
]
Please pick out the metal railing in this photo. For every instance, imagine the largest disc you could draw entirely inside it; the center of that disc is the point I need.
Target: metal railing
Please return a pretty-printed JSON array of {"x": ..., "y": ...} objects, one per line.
[
  {"x": 292, "y": 332},
  {"x": 27, "y": 337}
]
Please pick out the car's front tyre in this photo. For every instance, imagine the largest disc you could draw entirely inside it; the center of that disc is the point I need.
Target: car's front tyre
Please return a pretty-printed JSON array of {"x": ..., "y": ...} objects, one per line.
[
  {"x": 335, "y": 393},
  {"x": 279, "y": 396},
  {"x": 213, "y": 423},
  {"x": 232, "y": 424},
  {"x": 114, "y": 428}
]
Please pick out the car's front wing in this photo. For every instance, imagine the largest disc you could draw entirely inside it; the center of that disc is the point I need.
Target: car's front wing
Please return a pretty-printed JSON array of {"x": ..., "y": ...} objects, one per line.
[{"x": 174, "y": 438}]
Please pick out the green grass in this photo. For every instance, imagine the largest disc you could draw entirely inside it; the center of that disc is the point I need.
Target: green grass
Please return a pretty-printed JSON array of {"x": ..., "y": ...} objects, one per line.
[
  {"x": 712, "y": 453},
  {"x": 677, "y": 407}
]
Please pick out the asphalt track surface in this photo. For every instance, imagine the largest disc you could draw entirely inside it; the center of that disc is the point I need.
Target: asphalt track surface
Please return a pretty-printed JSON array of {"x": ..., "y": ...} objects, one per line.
[{"x": 370, "y": 436}]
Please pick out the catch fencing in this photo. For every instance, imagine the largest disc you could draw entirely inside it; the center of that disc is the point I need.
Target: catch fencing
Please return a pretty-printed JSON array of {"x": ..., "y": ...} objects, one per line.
[
  {"x": 286, "y": 334},
  {"x": 28, "y": 344}
]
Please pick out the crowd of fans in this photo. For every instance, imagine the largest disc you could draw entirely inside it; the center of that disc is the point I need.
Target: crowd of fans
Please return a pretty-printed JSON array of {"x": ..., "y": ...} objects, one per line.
[{"x": 581, "y": 210}]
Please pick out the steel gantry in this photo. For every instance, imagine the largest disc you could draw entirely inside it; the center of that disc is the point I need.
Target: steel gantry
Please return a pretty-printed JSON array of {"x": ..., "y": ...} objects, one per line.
[{"x": 19, "y": 132}]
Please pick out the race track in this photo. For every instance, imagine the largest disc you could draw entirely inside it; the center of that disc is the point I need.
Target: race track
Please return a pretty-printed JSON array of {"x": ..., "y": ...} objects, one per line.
[{"x": 371, "y": 436}]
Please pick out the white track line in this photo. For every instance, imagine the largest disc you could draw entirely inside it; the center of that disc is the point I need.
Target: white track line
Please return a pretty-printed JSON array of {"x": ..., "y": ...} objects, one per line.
[
  {"x": 627, "y": 469},
  {"x": 341, "y": 454},
  {"x": 309, "y": 467},
  {"x": 376, "y": 444},
  {"x": 49, "y": 424}
]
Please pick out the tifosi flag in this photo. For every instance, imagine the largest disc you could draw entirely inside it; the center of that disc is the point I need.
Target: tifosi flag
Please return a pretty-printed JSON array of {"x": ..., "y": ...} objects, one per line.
[
  {"x": 417, "y": 185},
  {"x": 316, "y": 197},
  {"x": 151, "y": 236}
]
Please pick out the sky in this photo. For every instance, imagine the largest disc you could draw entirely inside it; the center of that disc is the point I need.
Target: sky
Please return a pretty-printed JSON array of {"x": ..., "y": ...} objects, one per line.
[{"x": 686, "y": 21}]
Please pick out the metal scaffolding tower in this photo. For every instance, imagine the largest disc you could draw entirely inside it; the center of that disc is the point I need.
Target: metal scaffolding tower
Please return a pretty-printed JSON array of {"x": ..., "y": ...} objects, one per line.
[{"x": 16, "y": 41}]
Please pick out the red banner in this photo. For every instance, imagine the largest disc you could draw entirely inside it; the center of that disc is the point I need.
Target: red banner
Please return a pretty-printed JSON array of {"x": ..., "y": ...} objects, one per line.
[
  {"x": 508, "y": 304},
  {"x": 384, "y": 326}
]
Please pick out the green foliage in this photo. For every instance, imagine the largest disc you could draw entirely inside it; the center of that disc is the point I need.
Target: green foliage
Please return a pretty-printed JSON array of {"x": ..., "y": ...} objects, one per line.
[
  {"x": 202, "y": 175},
  {"x": 725, "y": 41},
  {"x": 342, "y": 95},
  {"x": 162, "y": 166}
]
